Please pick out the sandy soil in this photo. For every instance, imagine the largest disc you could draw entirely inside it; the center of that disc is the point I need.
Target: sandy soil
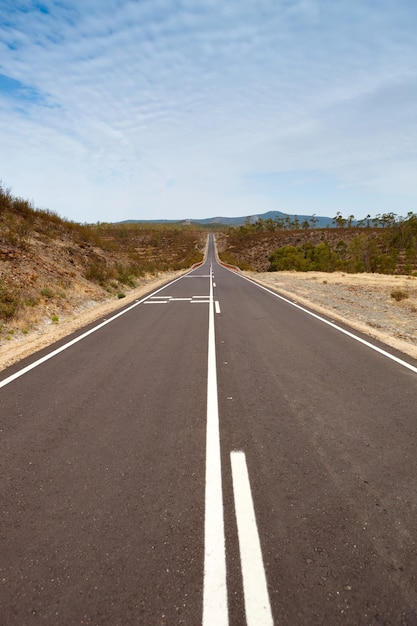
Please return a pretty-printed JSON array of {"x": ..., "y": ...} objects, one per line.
[{"x": 362, "y": 301}]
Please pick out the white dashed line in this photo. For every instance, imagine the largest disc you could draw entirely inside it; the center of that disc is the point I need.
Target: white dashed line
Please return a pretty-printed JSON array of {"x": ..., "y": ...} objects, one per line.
[{"x": 257, "y": 606}]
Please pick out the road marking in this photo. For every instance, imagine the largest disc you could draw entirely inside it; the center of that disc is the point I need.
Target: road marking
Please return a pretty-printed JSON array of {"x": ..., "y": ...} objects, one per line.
[
  {"x": 168, "y": 299},
  {"x": 257, "y": 605},
  {"x": 217, "y": 305},
  {"x": 50, "y": 355},
  {"x": 215, "y": 610},
  {"x": 333, "y": 325}
]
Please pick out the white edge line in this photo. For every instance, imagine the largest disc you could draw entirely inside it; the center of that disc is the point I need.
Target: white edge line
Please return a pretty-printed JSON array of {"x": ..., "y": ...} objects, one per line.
[
  {"x": 257, "y": 604},
  {"x": 332, "y": 324},
  {"x": 50, "y": 355},
  {"x": 215, "y": 609}
]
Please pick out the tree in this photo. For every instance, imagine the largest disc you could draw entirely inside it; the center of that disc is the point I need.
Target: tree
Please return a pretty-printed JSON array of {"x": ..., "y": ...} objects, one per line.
[{"x": 339, "y": 220}]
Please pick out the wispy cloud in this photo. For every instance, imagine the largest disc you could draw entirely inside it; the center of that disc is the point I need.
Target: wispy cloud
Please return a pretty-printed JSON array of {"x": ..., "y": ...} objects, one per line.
[{"x": 103, "y": 105}]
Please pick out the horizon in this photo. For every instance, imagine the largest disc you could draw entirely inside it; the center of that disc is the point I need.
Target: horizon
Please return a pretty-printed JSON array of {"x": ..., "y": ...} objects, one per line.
[{"x": 150, "y": 111}]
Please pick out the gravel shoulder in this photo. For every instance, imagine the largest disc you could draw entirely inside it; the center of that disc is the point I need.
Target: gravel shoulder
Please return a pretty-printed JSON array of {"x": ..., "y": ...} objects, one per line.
[{"x": 362, "y": 301}]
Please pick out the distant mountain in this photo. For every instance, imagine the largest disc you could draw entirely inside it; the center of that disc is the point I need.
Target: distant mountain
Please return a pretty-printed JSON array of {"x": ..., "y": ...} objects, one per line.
[{"x": 319, "y": 222}]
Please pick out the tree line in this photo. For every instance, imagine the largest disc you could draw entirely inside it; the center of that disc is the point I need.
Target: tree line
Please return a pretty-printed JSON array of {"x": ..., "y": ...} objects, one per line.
[
  {"x": 382, "y": 220},
  {"x": 388, "y": 251}
]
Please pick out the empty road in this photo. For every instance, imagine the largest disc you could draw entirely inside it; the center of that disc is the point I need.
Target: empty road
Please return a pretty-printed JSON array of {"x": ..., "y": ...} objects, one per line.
[{"x": 210, "y": 455}]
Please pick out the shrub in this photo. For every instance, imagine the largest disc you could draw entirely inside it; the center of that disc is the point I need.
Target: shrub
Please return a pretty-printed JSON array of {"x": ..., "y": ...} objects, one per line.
[
  {"x": 399, "y": 295},
  {"x": 32, "y": 301},
  {"x": 46, "y": 292},
  {"x": 98, "y": 272},
  {"x": 304, "y": 258},
  {"x": 9, "y": 302}
]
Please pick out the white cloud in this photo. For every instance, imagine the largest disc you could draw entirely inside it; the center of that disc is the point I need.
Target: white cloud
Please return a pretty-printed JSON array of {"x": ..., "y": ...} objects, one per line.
[{"x": 209, "y": 94}]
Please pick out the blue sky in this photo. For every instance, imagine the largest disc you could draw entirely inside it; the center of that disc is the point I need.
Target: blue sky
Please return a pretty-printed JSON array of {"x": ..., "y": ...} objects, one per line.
[{"x": 145, "y": 109}]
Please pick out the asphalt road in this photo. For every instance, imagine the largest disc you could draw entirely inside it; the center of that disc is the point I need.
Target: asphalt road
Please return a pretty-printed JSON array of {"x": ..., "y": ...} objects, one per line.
[{"x": 213, "y": 455}]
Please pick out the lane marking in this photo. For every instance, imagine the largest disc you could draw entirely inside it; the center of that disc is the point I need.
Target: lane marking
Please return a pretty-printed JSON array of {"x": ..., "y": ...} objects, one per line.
[
  {"x": 333, "y": 325},
  {"x": 257, "y": 605},
  {"x": 215, "y": 610},
  {"x": 156, "y": 302},
  {"x": 217, "y": 305},
  {"x": 198, "y": 276},
  {"x": 50, "y": 355},
  {"x": 180, "y": 300}
]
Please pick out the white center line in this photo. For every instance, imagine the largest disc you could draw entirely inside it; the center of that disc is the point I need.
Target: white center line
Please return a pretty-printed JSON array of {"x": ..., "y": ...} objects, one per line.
[
  {"x": 215, "y": 610},
  {"x": 257, "y": 606}
]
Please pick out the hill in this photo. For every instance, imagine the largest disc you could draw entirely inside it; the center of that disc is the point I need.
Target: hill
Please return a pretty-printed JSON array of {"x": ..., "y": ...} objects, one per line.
[
  {"x": 319, "y": 222},
  {"x": 50, "y": 267},
  {"x": 264, "y": 246}
]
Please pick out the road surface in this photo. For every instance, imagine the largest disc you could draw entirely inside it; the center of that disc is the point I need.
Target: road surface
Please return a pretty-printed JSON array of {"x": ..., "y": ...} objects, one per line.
[{"x": 210, "y": 455}]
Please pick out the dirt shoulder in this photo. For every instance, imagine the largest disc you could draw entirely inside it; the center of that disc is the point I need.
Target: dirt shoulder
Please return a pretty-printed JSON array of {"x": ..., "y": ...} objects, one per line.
[
  {"x": 46, "y": 333},
  {"x": 363, "y": 301}
]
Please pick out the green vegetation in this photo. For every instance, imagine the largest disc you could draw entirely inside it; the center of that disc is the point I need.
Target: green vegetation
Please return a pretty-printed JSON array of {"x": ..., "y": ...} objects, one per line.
[
  {"x": 9, "y": 302},
  {"x": 386, "y": 244},
  {"x": 46, "y": 292},
  {"x": 399, "y": 295}
]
